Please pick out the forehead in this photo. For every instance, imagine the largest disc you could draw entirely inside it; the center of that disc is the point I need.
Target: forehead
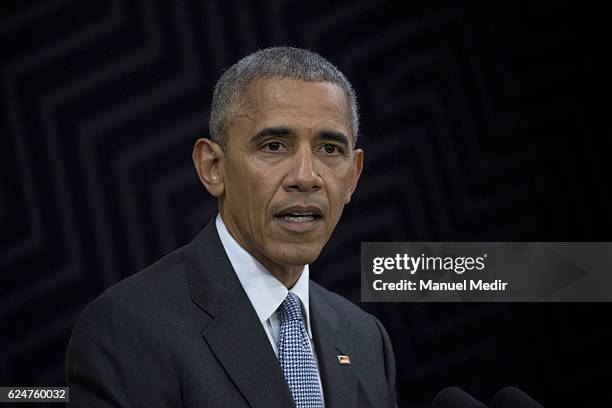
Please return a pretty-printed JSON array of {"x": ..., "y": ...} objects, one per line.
[{"x": 301, "y": 102}]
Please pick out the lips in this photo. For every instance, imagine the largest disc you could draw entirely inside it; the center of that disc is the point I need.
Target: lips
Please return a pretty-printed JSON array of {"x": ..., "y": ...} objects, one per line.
[
  {"x": 299, "y": 213},
  {"x": 299, "y": 218}
]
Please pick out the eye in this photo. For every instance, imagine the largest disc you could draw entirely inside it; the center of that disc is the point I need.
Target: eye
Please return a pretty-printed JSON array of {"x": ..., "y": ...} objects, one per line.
[
  {"x": 331, "y": 149},
  {"x": 273, "y": 146}
]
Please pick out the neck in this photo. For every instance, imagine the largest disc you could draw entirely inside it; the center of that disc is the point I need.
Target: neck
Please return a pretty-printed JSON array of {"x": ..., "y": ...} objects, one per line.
[{"x": 287, "y": 275}]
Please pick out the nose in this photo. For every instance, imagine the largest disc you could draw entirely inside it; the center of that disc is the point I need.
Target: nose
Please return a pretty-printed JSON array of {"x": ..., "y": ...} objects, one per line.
[{"x": 303, "y": 175}]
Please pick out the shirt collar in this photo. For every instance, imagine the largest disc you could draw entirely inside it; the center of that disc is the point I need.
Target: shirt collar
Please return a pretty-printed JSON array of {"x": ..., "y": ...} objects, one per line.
[{"x": 265, "y": 292}]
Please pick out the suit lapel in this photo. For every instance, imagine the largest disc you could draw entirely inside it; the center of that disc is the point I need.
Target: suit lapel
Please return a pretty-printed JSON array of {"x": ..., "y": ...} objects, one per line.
[
  {"x": 242, "y": 347},
  {"x": 234, "y": 334},
  {"x": 339, "y": 380}
]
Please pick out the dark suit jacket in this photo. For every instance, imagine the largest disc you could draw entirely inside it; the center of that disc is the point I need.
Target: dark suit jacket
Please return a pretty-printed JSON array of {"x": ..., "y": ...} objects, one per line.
[{"x": 183, "y": 332}]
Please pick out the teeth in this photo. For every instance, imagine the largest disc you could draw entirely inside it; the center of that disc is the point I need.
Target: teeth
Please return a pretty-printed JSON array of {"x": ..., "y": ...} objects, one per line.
[{"x": 298, "y": 218}]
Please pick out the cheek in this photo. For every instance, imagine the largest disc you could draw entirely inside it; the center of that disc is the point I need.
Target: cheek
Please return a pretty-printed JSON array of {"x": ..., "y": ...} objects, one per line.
[
  {"x": 337, "y": 194},
  {"x": 341, "y": 179},
  {"x": 246, "y": 183},
  {"x": 259, "y": 191}
]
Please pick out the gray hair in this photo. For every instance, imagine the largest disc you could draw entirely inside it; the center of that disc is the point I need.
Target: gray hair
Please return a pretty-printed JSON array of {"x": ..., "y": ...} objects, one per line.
[{"x": 281, "y": 62}]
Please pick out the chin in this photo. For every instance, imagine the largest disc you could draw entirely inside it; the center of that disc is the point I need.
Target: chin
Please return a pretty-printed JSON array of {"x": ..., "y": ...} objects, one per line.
[{"x": 296, "y": 254}]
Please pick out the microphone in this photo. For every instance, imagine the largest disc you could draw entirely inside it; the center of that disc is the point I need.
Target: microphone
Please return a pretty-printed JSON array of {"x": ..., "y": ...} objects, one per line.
[
  {"x": 512, "y": 397},
  {"x": 455, "y": 397}
]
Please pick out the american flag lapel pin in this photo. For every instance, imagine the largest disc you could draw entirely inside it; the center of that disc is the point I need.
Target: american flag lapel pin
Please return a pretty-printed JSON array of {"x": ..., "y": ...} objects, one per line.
[{"x": 344, "y": 359}]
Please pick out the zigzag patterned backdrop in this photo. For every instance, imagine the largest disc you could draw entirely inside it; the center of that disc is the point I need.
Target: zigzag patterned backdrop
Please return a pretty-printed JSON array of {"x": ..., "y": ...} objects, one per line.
[{"x": 481, "y": 121}]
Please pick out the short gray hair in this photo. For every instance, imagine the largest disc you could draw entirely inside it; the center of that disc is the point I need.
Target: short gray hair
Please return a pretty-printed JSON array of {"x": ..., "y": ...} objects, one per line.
[{"x": 281, "y": 62}]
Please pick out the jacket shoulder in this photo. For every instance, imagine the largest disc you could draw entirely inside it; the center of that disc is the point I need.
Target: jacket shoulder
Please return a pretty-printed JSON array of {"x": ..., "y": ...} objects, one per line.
[{"x": 156, "y": 284}]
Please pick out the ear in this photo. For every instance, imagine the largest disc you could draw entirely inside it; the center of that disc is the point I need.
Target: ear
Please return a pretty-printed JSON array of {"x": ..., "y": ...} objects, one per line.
[
  {"x": 208, "y": 160},
  {"x": 356, "y": 169}
]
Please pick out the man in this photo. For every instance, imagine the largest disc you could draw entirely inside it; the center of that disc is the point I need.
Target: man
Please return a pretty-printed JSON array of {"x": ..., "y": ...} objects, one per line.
[{"x": 231, "y": 319}]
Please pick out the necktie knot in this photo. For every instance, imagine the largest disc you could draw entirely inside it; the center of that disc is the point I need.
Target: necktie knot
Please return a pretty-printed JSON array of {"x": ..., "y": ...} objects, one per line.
[{"x": 290, "y": 309}]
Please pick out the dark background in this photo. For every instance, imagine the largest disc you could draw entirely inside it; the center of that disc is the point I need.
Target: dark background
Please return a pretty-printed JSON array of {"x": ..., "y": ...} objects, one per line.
[{"x": 482, "y": 121}]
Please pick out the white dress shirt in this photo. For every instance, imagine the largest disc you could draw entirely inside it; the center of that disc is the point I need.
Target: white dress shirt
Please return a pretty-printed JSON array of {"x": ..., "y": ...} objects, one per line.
[{"x": 265, "y": 292}]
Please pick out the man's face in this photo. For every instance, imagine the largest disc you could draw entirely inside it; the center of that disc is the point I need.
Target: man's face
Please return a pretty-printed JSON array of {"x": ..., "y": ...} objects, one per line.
[{"x": 288, "y": 170}]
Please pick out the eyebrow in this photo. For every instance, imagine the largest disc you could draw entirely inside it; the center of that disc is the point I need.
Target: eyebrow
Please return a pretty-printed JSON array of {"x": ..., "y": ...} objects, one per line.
[
  {"x": 335, "y": 136},
  {"x": 326, "y": 135},
  {"x": 270, "y": 131}
]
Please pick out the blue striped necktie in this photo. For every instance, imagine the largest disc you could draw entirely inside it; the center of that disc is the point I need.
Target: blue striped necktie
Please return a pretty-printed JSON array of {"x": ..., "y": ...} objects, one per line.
[{"x": 295, "y": 356}]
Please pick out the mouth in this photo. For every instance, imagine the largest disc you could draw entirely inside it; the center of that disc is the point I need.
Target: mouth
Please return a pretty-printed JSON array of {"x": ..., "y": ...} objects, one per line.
[{"x": 299, "y": 218}]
